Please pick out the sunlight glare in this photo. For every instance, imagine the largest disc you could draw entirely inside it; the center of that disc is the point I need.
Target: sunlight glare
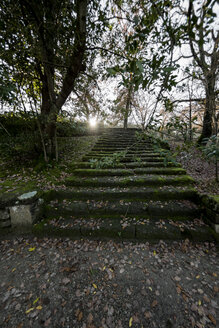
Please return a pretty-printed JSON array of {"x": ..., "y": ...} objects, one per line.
[{"x": 93, "y": 122}]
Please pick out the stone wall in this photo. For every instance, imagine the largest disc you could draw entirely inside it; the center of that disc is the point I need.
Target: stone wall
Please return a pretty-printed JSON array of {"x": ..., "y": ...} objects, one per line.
[
  {"x": 20, "y": 211},
  {"x": 211, "y": 210}
]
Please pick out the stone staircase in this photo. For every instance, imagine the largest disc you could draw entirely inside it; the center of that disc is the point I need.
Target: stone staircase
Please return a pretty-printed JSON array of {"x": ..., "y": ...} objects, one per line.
[{"x": 123, "y": 189}]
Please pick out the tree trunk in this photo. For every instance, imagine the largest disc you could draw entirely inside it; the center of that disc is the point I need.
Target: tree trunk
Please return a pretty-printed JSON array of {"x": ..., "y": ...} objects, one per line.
[
  {"x": 48, "y": 117},
  {"x": 190, "y": 121},
  {"x": 127, "y": 108},
  {"x": 210, "y": 109},
  {"x": 52, "y": 103}
]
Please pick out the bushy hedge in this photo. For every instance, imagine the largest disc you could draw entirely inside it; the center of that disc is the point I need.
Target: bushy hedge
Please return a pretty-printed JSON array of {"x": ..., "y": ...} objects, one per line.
[{"x": 17, "y": 124}]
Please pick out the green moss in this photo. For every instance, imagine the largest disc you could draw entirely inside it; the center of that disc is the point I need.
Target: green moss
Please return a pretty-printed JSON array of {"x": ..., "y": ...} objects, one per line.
[{"x": 216, "y": 198}]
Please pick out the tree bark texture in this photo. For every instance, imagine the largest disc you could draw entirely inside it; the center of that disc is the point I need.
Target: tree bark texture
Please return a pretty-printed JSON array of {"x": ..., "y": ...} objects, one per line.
[{"x": 127, "y": 108}]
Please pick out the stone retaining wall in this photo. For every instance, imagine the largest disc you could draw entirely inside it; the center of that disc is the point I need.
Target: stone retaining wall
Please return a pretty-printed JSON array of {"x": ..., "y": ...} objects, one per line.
[
  {"x": 21, "y": 210},
  {"x": 211, "y": 210}
]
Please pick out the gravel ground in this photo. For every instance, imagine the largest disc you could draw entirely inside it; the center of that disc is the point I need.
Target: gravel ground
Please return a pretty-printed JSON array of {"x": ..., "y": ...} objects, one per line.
[{"x": 92, "y": 284}]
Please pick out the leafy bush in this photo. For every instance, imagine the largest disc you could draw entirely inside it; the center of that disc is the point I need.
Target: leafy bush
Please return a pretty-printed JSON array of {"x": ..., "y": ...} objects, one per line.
[{"x": 211, "y": 150}]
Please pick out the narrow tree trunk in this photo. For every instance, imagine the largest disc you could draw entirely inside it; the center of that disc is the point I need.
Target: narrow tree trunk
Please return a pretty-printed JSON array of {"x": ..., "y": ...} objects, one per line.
[
  {"x": 190, "y": 121},
  {"x": 127, "y": 108},
  {"x": 48, "y": 119},
  {"x": 210, "y": 108}
]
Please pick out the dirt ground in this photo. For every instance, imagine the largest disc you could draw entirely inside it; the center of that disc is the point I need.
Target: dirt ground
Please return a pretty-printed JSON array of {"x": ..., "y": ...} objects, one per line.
[
  {"x": 92, "y": 284},
  {"x": 197, "y": 166}
]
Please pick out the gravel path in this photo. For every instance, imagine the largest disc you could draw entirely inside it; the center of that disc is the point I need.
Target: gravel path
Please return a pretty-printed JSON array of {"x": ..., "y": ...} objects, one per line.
[{"x": 93, "y": 284}]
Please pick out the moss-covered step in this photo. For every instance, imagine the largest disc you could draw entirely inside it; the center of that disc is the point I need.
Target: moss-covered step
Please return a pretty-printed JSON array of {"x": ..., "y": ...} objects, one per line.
[
  {"x": 125, "y": 228},
  {"x": 123, "y": 145},
  {"x": 123, "y": 194},
  {"x": 86, "y": 158},
  {"x": 127, "y": 155},
  {"x": 132, "y": 144},
  {"x": 126, "y": 172},
  {"x": 144, "y": 180},
  {"x": 127, "y": 151},
  {"x": 152, "y": 209},
  {"x": 111, "y": 149},
  {"x": 132, "y": 165}
]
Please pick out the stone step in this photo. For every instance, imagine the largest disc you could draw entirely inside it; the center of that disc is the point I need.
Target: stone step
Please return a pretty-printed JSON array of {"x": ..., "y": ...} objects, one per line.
[
  {"x": 125, "y": 194},
  {"x": 119, "y": 149},
  {"x": 128, "y": 159},
  {"x": 127, "y": 172},
  {"x": 125, "y": 228},
  {"x": 117, "y": 142},
  {"x": 144, "y": 196},
  {"x": 127, "y": 155},
  {"x": 111, "y": 149},
  {"x": 129, "y": 152},
  {"x": 128, "y": 165},
  {"x": 141, "y": 180},
  {"x": 176, "y": 210}
]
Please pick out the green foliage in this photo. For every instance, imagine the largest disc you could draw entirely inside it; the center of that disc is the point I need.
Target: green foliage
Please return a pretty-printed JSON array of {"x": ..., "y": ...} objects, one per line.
[
  {"x": 70, "y": 129},
  {"x": 211, "y": 150},
  {"x": 178, "y": 125},
  {"x": 17, "y": 123},
  {"x": 108, "y": 161}
]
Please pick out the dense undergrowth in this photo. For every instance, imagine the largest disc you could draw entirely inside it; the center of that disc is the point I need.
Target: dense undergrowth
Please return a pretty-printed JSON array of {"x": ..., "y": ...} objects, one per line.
[{"x": 22, "y": 166}]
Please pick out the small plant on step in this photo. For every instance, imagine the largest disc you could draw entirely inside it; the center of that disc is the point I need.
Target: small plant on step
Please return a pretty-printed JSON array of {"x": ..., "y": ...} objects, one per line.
[
  {"x": 166, "y": 154},
  {"x": 141, "y": 136},
  {"x": 136, "y": 159},
  {"x": 108, "y": 161}
]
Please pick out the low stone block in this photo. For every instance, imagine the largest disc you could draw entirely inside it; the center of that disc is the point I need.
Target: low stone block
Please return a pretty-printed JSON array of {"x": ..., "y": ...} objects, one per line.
[
  {"x": 212, "y": 216},
  {"x": 216, "y": 228},
  {"x": 21, "y": 215},
  {"x": 5, "y": 221},
  {"x": 210, "y": 202},
  {"x": 26, "y": 214}
]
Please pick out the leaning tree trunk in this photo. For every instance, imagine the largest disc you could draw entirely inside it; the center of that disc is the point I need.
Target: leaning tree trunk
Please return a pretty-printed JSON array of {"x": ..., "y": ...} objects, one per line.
[{"x": 210, "y": 109}]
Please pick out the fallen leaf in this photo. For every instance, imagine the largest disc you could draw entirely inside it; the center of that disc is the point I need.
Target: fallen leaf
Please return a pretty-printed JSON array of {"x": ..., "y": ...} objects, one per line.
[
  {"x": 36, "y": 300},
  {"x": 31, "y": 249},
  {"x": 29, "y": 310},
  {"x": 130, "y": 322},
  {"x": 69, "y": 269},
  {"x": 95, "y": 286},
  {"x": 210, "y": 316},
  {"x": 39, "y": 307},
  {"x": 147, "y": 315},
  {"x": 154, "y": 303},
  {"x": 216, "y": 289},
  {"x": 66, "y": 281},
  {"x": 90, "y": 318},
  {"x": 184, "y": 297},
  {"x": 177, "y": 278},
  {"x": 20, "y": 325},
  {"x": 79, "y": 315}
]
